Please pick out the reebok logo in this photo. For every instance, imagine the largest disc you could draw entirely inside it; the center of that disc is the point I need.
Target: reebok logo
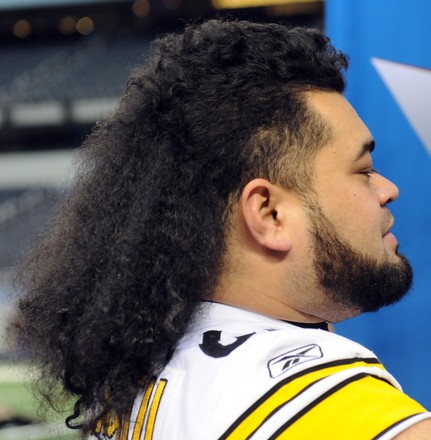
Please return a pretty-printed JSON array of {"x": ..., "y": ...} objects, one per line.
[{"x": 286, "y": 361}]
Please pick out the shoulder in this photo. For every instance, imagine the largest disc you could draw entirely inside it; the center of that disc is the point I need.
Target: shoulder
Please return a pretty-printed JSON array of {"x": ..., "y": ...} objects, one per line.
[
  {"x": 267, "y": 378},
  {"x": 259, "y": 347},
  {"x": 301, "y": 382},
  {"x": 236, "y": 375}
]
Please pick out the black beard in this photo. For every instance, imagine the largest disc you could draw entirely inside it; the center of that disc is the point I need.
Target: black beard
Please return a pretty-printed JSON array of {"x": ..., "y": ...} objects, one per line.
[{"x": 350, "y": 278}]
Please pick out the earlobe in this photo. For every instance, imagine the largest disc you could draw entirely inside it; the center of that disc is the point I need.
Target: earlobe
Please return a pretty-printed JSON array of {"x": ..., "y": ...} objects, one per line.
[{"x": 263, "y": 215}]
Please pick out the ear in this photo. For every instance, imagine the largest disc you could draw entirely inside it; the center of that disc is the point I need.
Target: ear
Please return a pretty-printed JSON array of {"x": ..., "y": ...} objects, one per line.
[{"x": 264, "y": 215}]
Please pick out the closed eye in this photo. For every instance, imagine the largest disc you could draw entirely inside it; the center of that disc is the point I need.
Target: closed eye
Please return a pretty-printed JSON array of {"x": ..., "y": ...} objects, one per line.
[{"x": 370, "y": 172}]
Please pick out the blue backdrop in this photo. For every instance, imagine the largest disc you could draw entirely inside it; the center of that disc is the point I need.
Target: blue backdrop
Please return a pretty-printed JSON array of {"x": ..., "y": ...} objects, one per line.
[{"x": 398, "y": 31}]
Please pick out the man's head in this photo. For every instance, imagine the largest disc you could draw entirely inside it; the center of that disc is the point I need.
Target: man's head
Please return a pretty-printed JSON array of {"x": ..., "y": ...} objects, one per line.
[
  {"x": 327, "y": 250},
  {"x": 214, "y": 108},
  {"x": 355, "y": 254}
]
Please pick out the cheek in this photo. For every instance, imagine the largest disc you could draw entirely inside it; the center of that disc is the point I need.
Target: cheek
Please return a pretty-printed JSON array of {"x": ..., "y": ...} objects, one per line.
[
  {"x": 300, "y": 227},
  {"x": 301, "y": 230},
  {"x": 356, "y": 216}
]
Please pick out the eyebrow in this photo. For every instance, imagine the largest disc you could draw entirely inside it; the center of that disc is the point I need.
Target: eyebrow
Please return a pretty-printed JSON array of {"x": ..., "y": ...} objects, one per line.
[{"x": 367, "y": 147}]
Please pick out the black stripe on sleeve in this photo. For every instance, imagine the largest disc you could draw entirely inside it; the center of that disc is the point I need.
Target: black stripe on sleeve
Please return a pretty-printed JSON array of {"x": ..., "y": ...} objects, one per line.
[
  {"x": 275, "y": 388},
  {"x": 393, "y": 426},
  {"x": 321, "y": 398}
]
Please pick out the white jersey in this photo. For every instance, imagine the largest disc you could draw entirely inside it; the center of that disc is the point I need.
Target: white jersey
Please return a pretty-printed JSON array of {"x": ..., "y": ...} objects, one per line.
[{"x": 240, "y": 375}]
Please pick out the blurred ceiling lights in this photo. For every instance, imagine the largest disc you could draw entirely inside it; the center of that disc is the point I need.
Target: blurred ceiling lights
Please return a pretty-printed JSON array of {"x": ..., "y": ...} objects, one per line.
[
  {"x": 85, "y": 26},
  {"x": 141, "y": 8},
  {"x": 237, "y": 4},
  {"x": 21, "y": 29},
  {"x": 67, "y": 25}
]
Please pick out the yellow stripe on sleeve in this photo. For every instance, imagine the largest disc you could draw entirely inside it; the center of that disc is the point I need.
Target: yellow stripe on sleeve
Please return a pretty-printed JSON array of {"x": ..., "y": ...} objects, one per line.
[
  {"x": 142, "y": 411},
  {"x": 252, "y": 419},
  {"x": 361, "y": 408},
  {"x": 125, "y": 428},
  {"x": 154, "y": 408}
]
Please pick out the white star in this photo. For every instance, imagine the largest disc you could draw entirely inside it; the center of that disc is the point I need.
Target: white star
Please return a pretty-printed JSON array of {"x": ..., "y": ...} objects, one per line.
[{"x": 411, "y": 88}]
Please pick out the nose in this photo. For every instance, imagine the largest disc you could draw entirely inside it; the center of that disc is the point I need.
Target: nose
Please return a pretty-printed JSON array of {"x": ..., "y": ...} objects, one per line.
[{"x": 386, "y": 190}]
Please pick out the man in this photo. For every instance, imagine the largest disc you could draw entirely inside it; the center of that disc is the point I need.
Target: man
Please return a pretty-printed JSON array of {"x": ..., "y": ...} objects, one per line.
[{"x": 223, "y": 217}]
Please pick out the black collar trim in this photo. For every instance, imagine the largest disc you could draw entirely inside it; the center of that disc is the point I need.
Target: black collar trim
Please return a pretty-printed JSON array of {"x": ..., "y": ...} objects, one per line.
[{"x": 316, "y": 325}]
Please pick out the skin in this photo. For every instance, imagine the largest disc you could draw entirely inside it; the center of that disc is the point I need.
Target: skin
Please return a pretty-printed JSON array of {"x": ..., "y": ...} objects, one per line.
[
  {"x": 268, "y": 264},
  {"x": 344, "y": 172},
  {"x": 269, "y": 260}
]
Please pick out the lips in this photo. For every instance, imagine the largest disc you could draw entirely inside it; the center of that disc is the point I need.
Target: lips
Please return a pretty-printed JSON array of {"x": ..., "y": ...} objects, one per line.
[
  {"x": 389, "y": 227},
  {"x": 390, "y": 240},
  {"x": 388, "y": 237}
]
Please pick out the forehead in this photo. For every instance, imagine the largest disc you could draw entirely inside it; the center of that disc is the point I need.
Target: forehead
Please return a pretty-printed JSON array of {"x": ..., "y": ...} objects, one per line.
[{"x": 348, "y": 132}]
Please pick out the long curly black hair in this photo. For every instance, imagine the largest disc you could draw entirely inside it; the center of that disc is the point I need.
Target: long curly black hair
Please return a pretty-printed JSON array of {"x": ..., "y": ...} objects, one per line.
[{"x": 116, "y": 279}]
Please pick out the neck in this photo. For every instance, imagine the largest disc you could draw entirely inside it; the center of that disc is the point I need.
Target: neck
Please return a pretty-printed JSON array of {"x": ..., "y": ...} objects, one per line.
[{"x": 249, "y": 296}]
